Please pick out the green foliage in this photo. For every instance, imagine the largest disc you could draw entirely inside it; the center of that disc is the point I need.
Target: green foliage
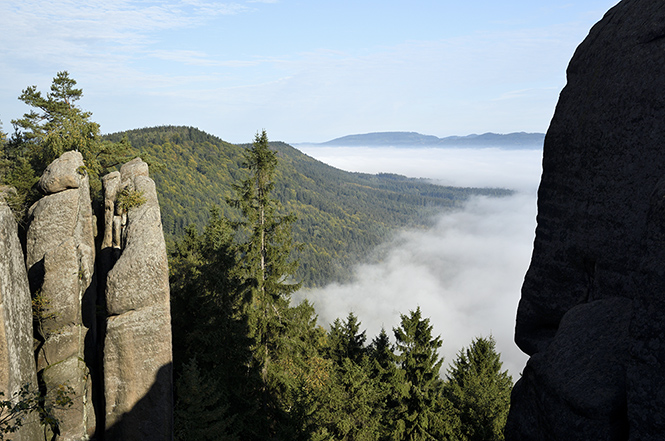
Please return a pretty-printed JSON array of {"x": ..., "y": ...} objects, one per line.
[
  {"x": 22, "y": 177},
  {"x": 231, "y": 291},
  {"x": 352, "y": 407},
  {"x": 346, "y": 341},
  {"x": 265, "y": 263},
  {"x": 4, "y": 162},
  {"x": 43, "y": 316},
  {"x": 423, "y": 413},
  {"x": 127, "y": 199},
  {"x": 479, "y": 391},
  {"x": 265, "y": 270},
  {"x": 201, "y": 412},
  {"x": 28, "y": 400}
]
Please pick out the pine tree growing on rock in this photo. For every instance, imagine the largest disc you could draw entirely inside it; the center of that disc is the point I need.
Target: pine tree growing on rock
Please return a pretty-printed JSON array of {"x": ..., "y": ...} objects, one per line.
[{"x": 54, "y": 125}]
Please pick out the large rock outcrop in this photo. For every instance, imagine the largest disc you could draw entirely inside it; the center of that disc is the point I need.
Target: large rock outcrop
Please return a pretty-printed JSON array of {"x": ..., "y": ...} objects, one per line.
[
  {"x": 100, "y": 309},
  {"x": 137, "y": 348},
  {"x": 60, "y": 257},
  {"x": 592, "y": 312},
  {"x": 17, "y": 364}
]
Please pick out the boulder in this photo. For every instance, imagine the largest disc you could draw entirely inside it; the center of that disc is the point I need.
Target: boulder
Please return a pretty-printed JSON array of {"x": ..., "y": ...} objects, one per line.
[
  {"x": 6, "y": 192},
  {"x": 65, "y": 172},
  {"x": 137, "y": 348},
  {"x": 592, "y": 311},
  {"x": 17, "y": 363}
]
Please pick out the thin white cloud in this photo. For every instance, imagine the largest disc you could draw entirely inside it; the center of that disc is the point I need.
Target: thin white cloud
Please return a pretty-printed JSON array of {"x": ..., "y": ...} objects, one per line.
[
  {"x": 199, "y": 58},
  {"x": 51, "y": 30},
  {"x": 216, "y": 8}
]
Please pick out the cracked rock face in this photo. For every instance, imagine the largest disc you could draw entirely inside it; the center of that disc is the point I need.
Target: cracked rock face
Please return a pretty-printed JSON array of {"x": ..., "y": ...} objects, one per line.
[
  {"x": 60, "y": 257},
  {"x": 592, "y": 312},
  {"x": 17, "y": 364},
  {"x": 119, "y": 368},
  {"x": 137, "y": 350}
]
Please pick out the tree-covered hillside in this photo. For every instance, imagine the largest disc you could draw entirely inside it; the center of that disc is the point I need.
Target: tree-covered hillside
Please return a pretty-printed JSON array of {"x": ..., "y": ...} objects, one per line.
[{"x": 340, "y": 215}]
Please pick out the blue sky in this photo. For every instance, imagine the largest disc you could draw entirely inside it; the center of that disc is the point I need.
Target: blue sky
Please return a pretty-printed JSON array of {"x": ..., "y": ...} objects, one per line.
[{"x": 303, "y": 70}]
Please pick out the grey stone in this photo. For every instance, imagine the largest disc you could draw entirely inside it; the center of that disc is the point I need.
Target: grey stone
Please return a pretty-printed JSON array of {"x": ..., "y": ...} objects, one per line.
[
  {"x": 111, "y": 184},
  {"x": 60, "y": 257},
  {"x": 17, "y": 363},
  {"x": 137, "y": 355},
  {"x": 6, "y": 192},
  {"x": 73, "y": 420},
  {"x": 592, "y": 311},
  {"x": 63, "y": 173}
]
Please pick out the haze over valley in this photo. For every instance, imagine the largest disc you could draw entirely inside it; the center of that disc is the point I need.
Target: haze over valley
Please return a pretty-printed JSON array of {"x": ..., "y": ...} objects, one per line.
[{"x": 465, "y": 272}]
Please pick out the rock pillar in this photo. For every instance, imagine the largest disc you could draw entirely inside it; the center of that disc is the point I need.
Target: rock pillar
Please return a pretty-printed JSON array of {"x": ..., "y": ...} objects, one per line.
[
  {"x": 60, "y": 257},
  {"x": 17, "y": 363},
  {"x": 137, "y": 348}
]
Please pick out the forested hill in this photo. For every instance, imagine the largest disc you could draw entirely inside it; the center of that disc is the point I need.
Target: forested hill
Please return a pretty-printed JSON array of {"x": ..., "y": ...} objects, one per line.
[{"x": 341, "y": 215}]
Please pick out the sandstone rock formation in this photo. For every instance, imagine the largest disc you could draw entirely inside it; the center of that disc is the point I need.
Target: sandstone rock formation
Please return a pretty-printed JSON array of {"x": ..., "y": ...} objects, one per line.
[
  {"x": 60, "y": 257},
  {"x": 17, "y": 364},
  {"x": 119, "y": 368},
  {"x": 137, "y": 349},
  {"x": 592, "y": 312}
]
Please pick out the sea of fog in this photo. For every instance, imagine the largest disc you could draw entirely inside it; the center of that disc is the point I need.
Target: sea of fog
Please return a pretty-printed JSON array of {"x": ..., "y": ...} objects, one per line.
[{"x": 466, "y": 272}]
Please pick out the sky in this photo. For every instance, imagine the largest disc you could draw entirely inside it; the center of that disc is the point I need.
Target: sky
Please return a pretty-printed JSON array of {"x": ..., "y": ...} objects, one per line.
[
  {"x": 466, "y": 272},
  {"x": 303, "y": 70}
]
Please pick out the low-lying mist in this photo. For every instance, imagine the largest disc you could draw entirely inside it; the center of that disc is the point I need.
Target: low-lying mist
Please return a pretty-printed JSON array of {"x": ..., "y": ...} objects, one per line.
[{"x": 465, "y": 272}]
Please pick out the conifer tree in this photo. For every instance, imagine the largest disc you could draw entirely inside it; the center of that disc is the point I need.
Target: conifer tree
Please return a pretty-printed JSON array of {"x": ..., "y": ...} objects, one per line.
[
  {"x": 201, "y": 412},
  {"x": 352, "y": 409},
  {"x": 208, "y": 321},
  {"x": 423, "y": 413},
  {"x": 346, "y": 340},
  {"x": 389, "y": 380},
  {"x": 5, "y": 163},
  {"x": 382, "y": 358},
  {"x": 265, "y": 269},
  {"x": 480, "y": 391}
]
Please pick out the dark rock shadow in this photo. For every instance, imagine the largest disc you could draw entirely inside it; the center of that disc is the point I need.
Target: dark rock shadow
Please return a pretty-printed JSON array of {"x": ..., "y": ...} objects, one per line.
[{"x": 151, "y": 419}]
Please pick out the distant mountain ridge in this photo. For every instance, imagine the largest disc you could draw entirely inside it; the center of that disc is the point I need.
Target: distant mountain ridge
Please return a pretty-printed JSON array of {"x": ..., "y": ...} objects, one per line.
[{"x": 517, "y": 140}]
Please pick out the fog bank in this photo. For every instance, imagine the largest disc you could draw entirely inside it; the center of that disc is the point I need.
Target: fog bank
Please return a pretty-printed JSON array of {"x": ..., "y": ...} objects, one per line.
[
  {"x": 463, "y": 167},
  {"x": 466, "y": 272}
]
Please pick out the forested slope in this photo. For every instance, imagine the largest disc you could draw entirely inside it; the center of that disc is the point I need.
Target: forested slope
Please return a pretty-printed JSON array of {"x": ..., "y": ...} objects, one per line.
[{"x": 341, "y": 215}]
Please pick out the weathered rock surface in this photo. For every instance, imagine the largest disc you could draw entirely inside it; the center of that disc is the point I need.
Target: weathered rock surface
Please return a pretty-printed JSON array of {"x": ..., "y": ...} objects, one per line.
[
  {"x": 6, "y": 192},
  {"x": 17, "y": 364},
  {"x": 121, "y": 380},
  {"x": 60, "y": 257},
  {"x": 592, "y": 312},
  {"x": 65, "y": 172},
  {"x": 137, "y": 349}
]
